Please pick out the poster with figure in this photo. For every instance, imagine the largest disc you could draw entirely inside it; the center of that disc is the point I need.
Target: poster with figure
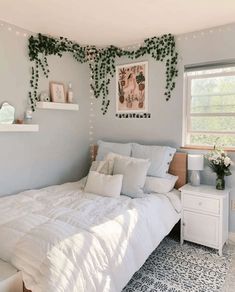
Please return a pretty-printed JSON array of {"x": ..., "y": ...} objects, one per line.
[{"x": 132, "y": 88}]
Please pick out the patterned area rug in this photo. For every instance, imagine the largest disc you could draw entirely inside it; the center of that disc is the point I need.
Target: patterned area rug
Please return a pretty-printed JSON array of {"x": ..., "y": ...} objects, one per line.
[{"x": 175, "y": 268}]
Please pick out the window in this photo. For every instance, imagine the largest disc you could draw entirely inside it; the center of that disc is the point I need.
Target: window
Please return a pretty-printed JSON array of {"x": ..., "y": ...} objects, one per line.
[{"x": 210, "y": 107}]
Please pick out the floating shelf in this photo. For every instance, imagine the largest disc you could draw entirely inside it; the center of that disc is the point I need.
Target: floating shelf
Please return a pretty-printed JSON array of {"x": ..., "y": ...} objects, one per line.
[
  {"x": 19, "y": 128},
  {"x": 57, "y": 106}
]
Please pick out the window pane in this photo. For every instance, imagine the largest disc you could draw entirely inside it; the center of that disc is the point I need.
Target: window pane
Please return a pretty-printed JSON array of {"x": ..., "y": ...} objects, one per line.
[
  {"x": 220, "y": 123},
  {"x": 212, "y": 107},
  {"x": 213, "y": 85},
  {"x": 199, "y": 139},
  {"x": 213, "y": 104}
]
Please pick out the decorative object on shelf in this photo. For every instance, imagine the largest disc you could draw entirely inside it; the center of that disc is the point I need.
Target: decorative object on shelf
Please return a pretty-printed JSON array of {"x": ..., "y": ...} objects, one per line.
[
  {"x": 70, "y": 94},
  {"x": 195, "y": 164},
  {"x": 101, "y": 61},
  {"x": 7, "y": 113},
  {"x": 44, "y": 96},
  {"x": 28, "y": 114},
  {"x": 57, "y": 91},
  {"x": 132, "y": 88},
  {"x": 19, "y": 122},
  {"x": 219, "y": 162}
]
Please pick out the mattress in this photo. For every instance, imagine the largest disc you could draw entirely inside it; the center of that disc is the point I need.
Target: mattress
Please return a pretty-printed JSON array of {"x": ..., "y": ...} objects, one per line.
[{"x": 63, "y": 239}]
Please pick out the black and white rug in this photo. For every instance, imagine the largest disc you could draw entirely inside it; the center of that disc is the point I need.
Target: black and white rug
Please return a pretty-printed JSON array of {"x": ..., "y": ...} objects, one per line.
[{"x": 175, "y": 268}]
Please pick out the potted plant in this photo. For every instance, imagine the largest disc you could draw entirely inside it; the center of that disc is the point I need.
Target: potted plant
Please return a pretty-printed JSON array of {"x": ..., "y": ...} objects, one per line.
[
  {"x": 129, "y": 101},
  {"x": 219, "y": 162},
  {"x": 120, "y": 93},
  {"x": 141, "y": 102},
  {"x": 122, "y": 76},
  {"x": 140, "y": 79}
]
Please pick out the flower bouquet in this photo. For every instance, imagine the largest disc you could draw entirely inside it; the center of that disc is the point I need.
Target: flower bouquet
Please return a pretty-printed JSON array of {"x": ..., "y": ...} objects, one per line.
[{"x": 219, "y": 162}]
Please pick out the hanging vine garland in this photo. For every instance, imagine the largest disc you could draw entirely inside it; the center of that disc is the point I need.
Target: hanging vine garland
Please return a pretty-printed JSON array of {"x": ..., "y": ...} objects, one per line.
[{"x": 101, "y": 62}]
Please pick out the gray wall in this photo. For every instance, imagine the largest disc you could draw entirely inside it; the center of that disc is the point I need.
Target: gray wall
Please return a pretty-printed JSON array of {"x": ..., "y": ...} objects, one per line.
[
  {"x": 165, "y": 125},
  {"x": 59, "y": 151}
]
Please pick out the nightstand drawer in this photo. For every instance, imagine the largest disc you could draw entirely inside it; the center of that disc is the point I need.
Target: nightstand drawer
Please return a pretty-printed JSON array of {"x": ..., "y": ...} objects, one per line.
[
  {"x": 200, "y": 228},
  {"x": 200, "y": 203}
]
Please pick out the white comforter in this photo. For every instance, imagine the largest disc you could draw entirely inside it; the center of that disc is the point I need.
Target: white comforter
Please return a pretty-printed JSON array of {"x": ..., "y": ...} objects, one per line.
[{"x": 66, "y": 240}]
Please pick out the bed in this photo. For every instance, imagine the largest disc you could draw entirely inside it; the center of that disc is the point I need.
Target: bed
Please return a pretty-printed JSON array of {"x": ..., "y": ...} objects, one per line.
[{"x": 63, "y": 239}]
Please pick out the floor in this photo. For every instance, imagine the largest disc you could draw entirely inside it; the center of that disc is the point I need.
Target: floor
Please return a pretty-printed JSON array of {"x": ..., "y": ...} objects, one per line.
[
  {"x": 230, "y": 279},
  {"x": 191, "y": 267}
]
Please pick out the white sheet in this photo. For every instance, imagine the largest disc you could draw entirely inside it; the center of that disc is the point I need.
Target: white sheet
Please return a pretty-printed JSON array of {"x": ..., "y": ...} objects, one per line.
[{"x": 66, "y": 240}]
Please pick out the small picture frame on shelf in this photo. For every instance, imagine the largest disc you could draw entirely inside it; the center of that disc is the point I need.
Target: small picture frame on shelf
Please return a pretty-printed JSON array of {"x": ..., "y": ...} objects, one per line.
[{"x": 57, "y": 91}]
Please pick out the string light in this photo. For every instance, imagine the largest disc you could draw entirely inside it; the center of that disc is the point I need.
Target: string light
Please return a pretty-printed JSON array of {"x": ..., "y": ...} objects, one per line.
[
  {"x": 91, "y": 127},
  {"x": 18, "y": 31},
  {"x": 25, "y": 34}
]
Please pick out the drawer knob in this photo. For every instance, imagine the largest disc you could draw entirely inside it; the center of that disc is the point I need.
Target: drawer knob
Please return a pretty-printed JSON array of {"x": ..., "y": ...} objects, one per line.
[
  {"x": 200, "y": 203},
  {"x": 183, "y": 224}
]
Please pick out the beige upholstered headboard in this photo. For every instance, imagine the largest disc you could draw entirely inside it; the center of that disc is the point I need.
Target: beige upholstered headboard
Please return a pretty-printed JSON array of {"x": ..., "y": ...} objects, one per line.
[{"x": 178, "y": 166}]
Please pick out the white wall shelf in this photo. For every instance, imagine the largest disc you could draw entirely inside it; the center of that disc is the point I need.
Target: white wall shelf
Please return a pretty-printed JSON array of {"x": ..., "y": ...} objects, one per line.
[
  {"x": 57, "y": 106},
  {"x": 19, "y": 128}
]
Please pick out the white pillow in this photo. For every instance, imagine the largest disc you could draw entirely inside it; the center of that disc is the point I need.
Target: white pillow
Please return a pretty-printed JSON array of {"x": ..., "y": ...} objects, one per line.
[
  {"x": 134, "y": 173},
  {"x": 159, "y": 184},
  {"x": 159, "y": 156},
  {"x": 111, "y": 156},
  {"x": 104, "y": 185},
  {"x": 105, "y": 147},
  {"x": 105, "y": 167}
]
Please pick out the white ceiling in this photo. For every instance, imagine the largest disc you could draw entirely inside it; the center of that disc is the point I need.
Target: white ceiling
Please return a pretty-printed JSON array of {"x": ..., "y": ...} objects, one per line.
[{"x": 118, "y": 22}]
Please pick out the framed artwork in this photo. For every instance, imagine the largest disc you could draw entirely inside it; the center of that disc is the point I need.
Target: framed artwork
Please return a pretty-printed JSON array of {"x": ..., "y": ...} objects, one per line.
[
  {"x": 57, "y": 91},
  {"x": 132, "y": 88}
]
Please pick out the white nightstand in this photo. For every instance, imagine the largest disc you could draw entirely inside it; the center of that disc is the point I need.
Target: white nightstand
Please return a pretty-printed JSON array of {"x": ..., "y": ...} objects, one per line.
[{"x": 205, "y": 215}]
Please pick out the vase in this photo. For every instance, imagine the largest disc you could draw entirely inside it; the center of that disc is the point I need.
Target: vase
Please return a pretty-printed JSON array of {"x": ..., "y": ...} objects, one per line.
[
  {"x": 220, "y": 182},
  {"x": 141, "y": 104},
  {"x": 121, "y": 98},
  {"x": 141, "y": 86}
]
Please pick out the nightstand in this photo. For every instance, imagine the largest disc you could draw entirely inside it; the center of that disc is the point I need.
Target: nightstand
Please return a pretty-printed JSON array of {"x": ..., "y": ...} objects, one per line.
[{"x": 205, "y": 215}]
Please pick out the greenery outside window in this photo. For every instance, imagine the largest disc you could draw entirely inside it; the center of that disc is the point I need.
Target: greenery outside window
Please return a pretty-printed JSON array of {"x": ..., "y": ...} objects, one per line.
[{"x": 209, "y": 117}]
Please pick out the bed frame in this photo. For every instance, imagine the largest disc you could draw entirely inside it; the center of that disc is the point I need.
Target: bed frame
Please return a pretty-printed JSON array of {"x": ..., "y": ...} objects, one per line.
[{"x": 178, "y": 165}]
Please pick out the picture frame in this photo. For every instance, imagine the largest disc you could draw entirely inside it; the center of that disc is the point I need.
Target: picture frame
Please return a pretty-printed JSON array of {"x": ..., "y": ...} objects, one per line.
[
  {"x": 57, "y": 92},
  {"x": 132, "y": 88}
]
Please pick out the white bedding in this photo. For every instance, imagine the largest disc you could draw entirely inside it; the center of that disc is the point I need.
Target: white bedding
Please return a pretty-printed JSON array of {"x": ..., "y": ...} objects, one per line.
[{"x": 66, "y": 240}]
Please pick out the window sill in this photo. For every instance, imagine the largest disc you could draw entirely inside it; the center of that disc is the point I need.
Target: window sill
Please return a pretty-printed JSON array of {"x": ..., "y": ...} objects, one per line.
[{"x": 194, "y": 147}]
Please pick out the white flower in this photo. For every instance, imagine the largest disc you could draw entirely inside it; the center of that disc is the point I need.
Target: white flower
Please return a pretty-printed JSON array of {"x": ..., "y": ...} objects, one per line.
[{"x": 227, "y": 161}]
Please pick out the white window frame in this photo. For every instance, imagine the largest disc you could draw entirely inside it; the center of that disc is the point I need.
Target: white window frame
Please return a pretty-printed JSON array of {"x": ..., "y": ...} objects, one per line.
[{"x": 187, "y": 113}]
